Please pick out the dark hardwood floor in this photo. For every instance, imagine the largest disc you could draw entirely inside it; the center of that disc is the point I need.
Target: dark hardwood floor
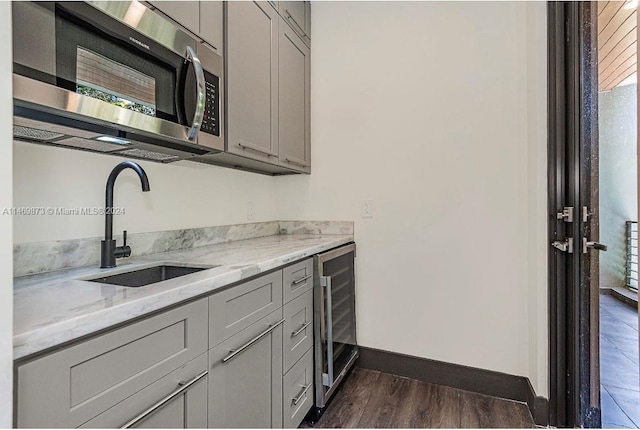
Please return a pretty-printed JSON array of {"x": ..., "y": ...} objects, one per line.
[{"x": 372, "y": 399}]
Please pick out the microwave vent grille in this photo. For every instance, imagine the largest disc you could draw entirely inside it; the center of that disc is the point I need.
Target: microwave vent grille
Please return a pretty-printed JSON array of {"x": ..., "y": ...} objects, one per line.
[
  {"x": 93, "y": 145},
  {"x": 34, "y": 133},
  {"x": 149, "y": 155}
]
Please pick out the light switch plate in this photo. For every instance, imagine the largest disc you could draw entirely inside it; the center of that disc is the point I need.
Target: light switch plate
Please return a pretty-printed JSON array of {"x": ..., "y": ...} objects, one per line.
[
  {"x": 366, "y": 209},
  {"x": 251, "y": 211}
]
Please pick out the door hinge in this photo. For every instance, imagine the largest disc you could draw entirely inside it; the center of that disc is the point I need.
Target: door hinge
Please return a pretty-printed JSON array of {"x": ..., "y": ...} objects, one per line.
[
  {"x": 566, "y": 214},
  {"x": 586, "y": 214},
  {"x": 564, "y": 246}
]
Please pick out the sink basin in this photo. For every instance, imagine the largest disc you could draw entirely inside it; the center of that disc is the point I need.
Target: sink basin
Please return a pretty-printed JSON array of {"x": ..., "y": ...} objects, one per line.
[{"x": 148, "y": 276}]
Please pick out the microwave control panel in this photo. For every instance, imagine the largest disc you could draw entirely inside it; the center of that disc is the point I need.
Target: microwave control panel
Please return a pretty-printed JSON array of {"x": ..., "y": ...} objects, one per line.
[{"x": 211, "y": 119}]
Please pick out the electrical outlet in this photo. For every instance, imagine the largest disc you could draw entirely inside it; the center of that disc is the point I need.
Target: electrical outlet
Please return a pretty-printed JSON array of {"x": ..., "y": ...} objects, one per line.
[
  {"x": 366, "y": 209},
  {"x": 251, "y": 211}
]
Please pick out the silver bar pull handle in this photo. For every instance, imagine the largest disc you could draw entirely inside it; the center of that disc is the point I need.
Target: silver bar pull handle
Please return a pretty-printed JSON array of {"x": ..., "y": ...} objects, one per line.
[
  {"x": 301, "y": 329},
  {"x": 201, "y": 97},
  {"x": 184, "y": 386},
  {"x": 256, "y": 148},
  {"x": 301, "y": 280},
  {"x": 297, "y": 28},
  {"x": 325, "y": 281},
  {"x": 234, "y": 352},
  {"x": 300, "y": 396}
]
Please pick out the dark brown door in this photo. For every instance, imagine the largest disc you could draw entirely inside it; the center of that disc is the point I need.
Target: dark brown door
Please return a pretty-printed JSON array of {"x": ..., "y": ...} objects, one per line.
[{"x": 573, "y": 218}]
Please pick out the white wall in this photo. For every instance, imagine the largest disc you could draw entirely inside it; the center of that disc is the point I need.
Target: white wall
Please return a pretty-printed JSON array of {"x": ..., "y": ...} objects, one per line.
[
  {"x": 183, "y": 194},
  {"x": 6, "y": 247},
  {"x": 437, "y": 112},
  {"x": 535, "y": 54}
]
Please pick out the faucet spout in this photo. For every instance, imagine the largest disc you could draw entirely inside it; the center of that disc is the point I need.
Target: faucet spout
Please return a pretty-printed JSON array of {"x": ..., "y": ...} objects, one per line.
[{"x": 109, "y": 249}]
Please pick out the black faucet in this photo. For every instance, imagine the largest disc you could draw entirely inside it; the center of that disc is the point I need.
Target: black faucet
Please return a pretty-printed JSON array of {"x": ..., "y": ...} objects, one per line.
[{"x": 109, "y": 251}]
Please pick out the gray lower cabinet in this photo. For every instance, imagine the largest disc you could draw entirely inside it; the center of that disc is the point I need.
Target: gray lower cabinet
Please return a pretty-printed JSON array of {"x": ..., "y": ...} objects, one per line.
[
  {"x": 252, "y": 80},
  {"x": 74, "y": 385},
  {"x": 245, "y": 377},
  {"x": 236, "y": 359},
  {"x": 178, "y": 400}
]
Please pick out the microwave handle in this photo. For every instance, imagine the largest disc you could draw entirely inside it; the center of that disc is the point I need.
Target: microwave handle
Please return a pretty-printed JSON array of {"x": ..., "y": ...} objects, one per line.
[{"x": 201, "y": 94}]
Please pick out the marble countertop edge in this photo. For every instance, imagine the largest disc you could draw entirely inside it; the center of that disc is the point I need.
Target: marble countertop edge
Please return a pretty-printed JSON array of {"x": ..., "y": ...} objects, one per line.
[{"x": 33, "y": 337}]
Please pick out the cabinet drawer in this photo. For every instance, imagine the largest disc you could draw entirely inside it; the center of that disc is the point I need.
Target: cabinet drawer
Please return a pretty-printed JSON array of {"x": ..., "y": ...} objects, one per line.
[
  {"x": 297, "y": 279},
  {"x": 245, "y": 377},
  {"x": 297, "y": 329},
  {"x": 236, "y": 308},
  {"x": 186, "y": 409},
  {"x": 72, "y": 386},
  {"x": 297, "y": 388}
]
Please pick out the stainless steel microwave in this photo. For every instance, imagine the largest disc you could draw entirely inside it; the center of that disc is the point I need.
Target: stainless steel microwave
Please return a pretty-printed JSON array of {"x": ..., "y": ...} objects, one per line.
[{"x": 114, "y": 77}]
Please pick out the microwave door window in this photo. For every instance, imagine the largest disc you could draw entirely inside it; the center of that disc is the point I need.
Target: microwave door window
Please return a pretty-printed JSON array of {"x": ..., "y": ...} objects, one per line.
[
  {"x": 99, "y": 65},
  {"x": 99, "y": 77}
]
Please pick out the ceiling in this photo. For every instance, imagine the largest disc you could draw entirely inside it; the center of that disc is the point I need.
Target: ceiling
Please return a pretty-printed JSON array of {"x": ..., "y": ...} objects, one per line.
[{"x": 617, "y": 42}]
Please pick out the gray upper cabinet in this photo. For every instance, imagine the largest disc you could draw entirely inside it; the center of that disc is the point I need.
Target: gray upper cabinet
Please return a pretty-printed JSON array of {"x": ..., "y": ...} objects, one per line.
[
  {"x": 252, "y": 80},
  {"x": 211, "y": 29},
  {"x": 297, "y": 14},
  {"x": 202, "y": 18},
  {"x": 245, "y": 377},
  {"x": 294, "y": 119},
  {"x": 185, "y": 13},
  {"x": 267, "y": 87}
]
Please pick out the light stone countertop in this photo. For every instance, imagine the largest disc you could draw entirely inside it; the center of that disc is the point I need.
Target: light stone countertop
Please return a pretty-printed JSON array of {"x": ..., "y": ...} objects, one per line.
[{"x": 56, "y": 307}]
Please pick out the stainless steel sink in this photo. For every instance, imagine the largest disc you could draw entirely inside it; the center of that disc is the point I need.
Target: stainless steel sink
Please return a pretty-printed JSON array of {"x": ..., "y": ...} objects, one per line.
[{"x": 148, "y": 276}]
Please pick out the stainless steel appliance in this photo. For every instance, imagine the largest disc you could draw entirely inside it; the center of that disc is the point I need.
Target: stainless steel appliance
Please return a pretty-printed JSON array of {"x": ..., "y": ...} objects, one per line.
[
  {"x": 335, "y": 328},
  {"x": 114, "y": 77}
]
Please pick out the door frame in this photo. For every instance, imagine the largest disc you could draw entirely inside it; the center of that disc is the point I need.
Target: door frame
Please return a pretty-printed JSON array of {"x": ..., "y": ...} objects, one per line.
[{"x": 572, "y": 133}]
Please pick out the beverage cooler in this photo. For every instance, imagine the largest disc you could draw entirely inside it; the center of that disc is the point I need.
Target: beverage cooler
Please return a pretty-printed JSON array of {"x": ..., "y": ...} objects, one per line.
[{"x": 335, "y": 329}]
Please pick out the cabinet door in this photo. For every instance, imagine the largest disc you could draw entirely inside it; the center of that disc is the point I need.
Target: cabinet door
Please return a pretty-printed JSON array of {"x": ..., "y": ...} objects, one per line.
[
  {"x": 180, "y": 397},
  {"x": 294, "y": 105},
  {"x": 185, "y": 13},
  {"x": 252, "y": 80},
  {"x": 245, "y": 389},
  {"x": 211, "y": 23}
]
